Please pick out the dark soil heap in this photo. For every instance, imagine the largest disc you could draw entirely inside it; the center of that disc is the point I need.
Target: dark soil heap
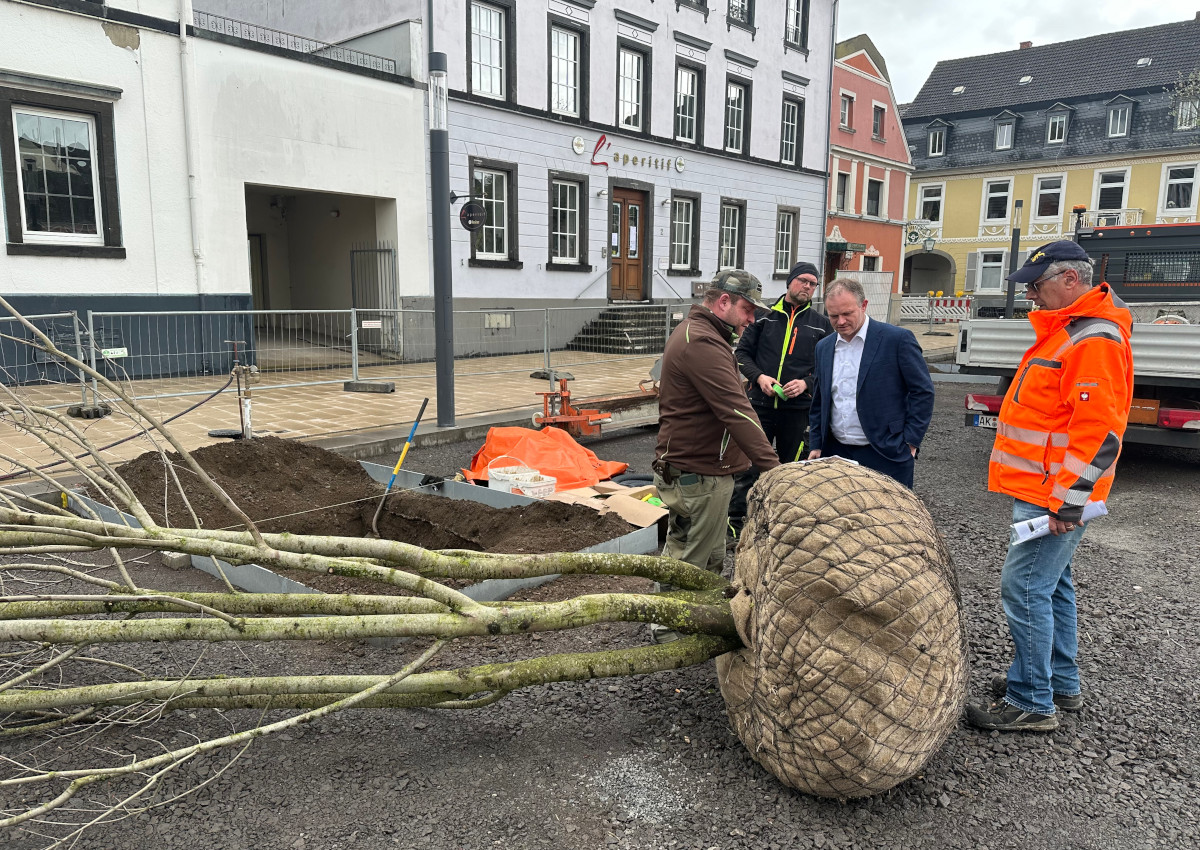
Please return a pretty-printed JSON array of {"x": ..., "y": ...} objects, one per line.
[{"x": 287, "y": 486}]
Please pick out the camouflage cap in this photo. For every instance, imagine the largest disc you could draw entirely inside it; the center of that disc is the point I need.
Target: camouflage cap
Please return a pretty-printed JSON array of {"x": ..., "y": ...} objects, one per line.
[{"x": 739, "y": 282}]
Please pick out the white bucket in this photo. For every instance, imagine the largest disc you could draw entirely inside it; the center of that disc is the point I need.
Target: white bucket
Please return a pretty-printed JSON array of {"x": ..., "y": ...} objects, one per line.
[
  {"x": 504, "y": 477},
  {"x": 534, "y": 484}
]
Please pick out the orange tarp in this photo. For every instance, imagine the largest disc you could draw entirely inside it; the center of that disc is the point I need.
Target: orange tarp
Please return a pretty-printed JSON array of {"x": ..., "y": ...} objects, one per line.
[{"x": 550, "y": 451}]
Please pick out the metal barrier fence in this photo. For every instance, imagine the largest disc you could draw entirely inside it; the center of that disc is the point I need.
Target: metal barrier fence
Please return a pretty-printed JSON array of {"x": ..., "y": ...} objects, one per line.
[
  {"x": 49, "y": 382},
  {"x": 179, "y": 353}
]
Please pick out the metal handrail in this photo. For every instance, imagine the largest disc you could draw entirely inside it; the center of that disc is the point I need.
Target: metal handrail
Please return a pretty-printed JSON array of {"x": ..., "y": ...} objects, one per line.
[{"x": 294, "y": 43}]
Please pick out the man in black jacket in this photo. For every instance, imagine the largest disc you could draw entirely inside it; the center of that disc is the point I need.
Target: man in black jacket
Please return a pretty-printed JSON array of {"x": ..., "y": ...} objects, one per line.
[{"x": 775, "y": 354}]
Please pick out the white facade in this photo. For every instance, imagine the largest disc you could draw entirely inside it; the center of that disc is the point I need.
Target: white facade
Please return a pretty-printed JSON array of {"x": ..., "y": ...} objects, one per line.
[
  {"x": 308, "y": 156},
  {"x": 504, "y": 124}
]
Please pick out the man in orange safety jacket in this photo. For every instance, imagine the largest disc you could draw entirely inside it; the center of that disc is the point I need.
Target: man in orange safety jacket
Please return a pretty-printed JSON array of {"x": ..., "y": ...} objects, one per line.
[{"x": 1056, "y": 449}]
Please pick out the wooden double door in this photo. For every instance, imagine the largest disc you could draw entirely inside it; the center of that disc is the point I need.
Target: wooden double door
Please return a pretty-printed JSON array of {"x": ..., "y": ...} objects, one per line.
[{"x": 627, "y": 225}]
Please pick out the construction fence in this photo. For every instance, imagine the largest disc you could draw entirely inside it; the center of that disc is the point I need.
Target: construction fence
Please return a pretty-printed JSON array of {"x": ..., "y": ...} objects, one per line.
[{"x": 168, "y": 354}]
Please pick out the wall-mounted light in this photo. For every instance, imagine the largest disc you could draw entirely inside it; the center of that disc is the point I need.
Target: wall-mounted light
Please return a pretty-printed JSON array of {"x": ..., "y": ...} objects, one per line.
[
  {"x": 928, "y": 243},
  {"x": 603, "y": 193}
]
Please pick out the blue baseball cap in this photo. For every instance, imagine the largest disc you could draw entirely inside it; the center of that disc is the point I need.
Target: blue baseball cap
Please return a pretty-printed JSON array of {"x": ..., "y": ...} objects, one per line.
[{"x": 1064, "y": 250}]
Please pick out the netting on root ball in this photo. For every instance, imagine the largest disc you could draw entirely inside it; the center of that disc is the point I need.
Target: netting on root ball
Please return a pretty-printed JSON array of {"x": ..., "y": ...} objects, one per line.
[{"x": 855, "y": 666}]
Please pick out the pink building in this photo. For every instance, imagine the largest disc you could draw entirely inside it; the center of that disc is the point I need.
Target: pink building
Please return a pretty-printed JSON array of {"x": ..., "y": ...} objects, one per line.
[{"x": 869, "y": 167}]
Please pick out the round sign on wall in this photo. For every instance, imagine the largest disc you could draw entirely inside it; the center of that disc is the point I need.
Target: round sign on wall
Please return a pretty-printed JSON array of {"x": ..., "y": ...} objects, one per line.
[{"x": 471, "y": 216}]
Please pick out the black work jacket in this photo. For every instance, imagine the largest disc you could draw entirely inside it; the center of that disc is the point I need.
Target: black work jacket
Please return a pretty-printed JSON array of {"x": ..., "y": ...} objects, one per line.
[{"x": 781, "y": 343}]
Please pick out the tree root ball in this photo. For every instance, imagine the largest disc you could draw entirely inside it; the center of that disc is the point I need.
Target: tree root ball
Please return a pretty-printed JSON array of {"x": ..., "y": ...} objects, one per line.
[{"x": 855, "y": 666}]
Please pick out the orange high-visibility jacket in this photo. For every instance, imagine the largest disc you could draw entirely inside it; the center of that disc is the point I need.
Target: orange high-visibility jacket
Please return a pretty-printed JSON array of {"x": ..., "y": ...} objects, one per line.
[{"x": 1065, "y": 413}]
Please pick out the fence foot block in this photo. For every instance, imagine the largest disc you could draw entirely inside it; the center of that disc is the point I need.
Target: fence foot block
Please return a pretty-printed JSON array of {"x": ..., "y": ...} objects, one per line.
[
  {"x": 369, "y": 387},
  {"x": 89, "y": 411}
]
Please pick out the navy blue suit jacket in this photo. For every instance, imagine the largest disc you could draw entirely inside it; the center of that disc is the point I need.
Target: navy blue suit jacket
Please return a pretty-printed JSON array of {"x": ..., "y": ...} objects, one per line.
[{"x": 895, "y": 392}]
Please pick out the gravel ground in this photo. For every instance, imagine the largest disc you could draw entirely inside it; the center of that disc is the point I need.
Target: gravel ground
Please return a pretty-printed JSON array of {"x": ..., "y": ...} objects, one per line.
[{"x": 651, "y": 762}]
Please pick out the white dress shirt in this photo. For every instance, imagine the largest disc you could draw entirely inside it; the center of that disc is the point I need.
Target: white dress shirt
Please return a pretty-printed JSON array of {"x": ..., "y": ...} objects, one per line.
[{"x": 843, "y": 391}]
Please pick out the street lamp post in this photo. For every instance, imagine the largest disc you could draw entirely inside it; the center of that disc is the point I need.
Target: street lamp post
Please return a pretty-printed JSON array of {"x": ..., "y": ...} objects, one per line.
[
  {"x": 1010, "y": 296},
  {"x": 443, "y": 284}
]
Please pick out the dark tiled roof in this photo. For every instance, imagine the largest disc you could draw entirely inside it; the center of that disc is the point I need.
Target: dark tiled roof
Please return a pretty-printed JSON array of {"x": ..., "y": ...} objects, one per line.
[
  {"x": 970, "y": 142},
  {"x": 1070, "y": 69}
]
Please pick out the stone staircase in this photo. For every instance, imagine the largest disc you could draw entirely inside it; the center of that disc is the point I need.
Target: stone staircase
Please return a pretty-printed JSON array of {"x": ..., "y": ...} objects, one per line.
[{"x": 629, "y": 329}]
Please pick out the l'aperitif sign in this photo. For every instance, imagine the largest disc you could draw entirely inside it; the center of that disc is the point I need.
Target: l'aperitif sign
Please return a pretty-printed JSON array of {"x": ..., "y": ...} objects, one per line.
[{"x": 603, "y": 155}]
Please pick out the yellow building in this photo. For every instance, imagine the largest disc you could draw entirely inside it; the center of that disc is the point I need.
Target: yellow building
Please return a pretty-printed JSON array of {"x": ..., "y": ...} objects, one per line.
[{"x": 1015, "y": 140}]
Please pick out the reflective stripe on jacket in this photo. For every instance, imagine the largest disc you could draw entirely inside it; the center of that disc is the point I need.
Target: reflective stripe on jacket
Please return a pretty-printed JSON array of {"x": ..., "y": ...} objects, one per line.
[
  {"x": 782, "y": 343},
  {"x": 1063, "y": 417}
]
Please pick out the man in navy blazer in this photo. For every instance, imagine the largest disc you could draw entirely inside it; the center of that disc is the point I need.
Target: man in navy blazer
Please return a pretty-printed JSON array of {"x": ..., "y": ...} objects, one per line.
[{"x": 874, "y": 398}]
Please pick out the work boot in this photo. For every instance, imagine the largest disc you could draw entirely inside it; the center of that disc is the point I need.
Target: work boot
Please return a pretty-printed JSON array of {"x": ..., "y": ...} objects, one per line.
[
  {"x": 1005, "y": 717},
  {"x": 1073, "y": 703}
]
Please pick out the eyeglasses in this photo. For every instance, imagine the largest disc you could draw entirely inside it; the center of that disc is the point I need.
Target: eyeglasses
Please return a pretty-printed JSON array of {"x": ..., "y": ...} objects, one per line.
[{"x": 1036, "y": 286}]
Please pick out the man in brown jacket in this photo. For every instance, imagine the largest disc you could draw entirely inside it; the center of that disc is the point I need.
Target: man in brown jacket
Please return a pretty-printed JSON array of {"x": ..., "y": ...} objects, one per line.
[{"x": 707, "y": 430}]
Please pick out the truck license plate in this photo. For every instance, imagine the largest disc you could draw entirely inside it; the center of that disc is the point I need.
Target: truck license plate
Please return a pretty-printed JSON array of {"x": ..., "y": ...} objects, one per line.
[{"x": 983, "y": 420}]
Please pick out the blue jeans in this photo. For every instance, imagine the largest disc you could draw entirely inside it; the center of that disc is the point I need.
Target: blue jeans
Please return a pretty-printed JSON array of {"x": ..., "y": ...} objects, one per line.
[{"x": 1039, "y": 601}]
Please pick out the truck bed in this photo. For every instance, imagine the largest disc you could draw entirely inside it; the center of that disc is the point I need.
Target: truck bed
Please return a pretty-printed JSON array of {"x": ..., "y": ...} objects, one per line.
[{"x": 1162, "y": 354}]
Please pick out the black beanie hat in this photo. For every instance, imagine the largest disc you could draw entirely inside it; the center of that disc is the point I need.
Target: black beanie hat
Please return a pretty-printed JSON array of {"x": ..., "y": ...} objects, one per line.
[{"x": 803, "y": 268}]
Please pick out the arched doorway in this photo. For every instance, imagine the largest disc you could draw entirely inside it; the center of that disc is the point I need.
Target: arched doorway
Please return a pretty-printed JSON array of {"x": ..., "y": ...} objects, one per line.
[{"x": 928, "y": 270}]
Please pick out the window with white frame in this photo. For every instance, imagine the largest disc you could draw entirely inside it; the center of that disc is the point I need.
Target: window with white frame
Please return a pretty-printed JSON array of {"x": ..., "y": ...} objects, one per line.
[
  {"x": 991, "y": 271},
  {"x": 870, "y": 264},
  {"x": 874, "y": 198},
  {"x": 491, "y": 190},
  {"x": 564, "y": 71},
  {"x": 1118, "y": 121},
  {"x": 487, "y": 51},
  {"x": 631, "y": 89},
  {"x": 846, "y": 112},
  {"x": 730, "y": 250},
  {"x": 785, "y": 235},
  {"x": 878, "y": 120},
  {"x": 937, "y": 141},
  {"x": 796, "y": 23},
  {"x": 565, "y": 229},
  {"x": 1187, "y": 114},
  {"x": 683, "y": 234},
  {"x": 58, "y": 177},
  {"x": 687, "y": 100},
  {"x": 996, "y": 201},
  {"x": 1004, "y": 135},
  {"x": 843, "y": 191},
  {"x": 1056, "y": 129},
  {"x": 1048, "y": 197},
  {"x": 1181, "y": 187},
  {"x": 791, "y": 132},
  {"x": 735, "y": 117},
  {"x": 1110, "y": 190},
  {"x": 931, "y": 203}
]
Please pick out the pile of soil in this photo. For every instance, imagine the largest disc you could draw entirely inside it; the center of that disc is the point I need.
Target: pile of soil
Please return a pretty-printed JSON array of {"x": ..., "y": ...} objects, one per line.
[{"x": 287, "y": 486}]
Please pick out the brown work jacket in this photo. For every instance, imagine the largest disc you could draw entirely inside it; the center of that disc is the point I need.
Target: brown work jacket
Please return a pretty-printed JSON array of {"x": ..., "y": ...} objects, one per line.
[{"x": 705, "y": 422}]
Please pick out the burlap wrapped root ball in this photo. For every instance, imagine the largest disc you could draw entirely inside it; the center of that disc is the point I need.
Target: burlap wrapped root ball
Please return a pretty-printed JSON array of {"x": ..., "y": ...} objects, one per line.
[{"x": 855, "y": 666}]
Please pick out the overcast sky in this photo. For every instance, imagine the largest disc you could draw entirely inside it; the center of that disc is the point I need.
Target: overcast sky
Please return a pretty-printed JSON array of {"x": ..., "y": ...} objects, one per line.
[{"x": 914, "y": 35}]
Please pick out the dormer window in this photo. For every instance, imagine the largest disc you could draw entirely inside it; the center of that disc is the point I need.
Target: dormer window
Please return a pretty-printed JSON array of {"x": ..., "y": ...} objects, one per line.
[
  {"x": 937, "y": 141},
  {"x": 1118, "y": 120},
  {"x": 1187, "y": 114},
  {"x": 1056, "y": 130},
  {"x": 1006, "y": 130}
]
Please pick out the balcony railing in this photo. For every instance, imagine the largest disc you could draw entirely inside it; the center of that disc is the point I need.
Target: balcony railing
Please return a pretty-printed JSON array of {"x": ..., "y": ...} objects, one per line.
[
  {"x": 292, "y": 43},
  {"x": 1111, "y": 218}
]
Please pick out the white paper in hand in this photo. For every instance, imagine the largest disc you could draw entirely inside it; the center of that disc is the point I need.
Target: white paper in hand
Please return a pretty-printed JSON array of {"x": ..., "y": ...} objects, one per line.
[{"x": 1031, "y": 529}]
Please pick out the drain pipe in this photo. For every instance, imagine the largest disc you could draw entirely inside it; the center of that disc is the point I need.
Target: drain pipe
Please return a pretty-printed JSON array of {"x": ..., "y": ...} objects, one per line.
[
  {"x": 828, "y": 135},
  {"x": 187, "y": 77}
]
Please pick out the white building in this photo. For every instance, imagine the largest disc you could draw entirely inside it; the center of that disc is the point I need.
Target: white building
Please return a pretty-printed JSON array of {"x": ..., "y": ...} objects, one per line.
[
  {"x": 137, "y": 167},
  {"x": 621, "y": 151}
]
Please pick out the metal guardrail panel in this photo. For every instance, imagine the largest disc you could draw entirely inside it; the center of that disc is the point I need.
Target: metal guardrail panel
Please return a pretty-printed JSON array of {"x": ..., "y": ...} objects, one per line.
[{"x": 1163, "y": 351}]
